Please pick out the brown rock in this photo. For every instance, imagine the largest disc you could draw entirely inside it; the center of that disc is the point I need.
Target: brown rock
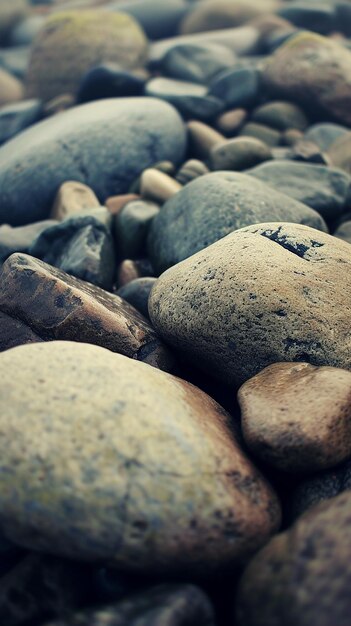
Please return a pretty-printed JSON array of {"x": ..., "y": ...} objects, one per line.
[
  {"x": 71, "y": 42},
  {"x": 339, "y": 153},
  {"x": 297, "y": 417},
  {"x": 230, "y": 122},
  {"x": 57, "y": 306},
  {"x": 72, "y": 198},
  {"x": 116, "y": 203},
  {"x": 13, "y": 333},
  {"x": 302, "y": 576},
  {"x": 191, "y": 170},
  {"x": 158, "y": 186},
  {"x": 239, "y": 154},
  {"x": 166, "y": 605},
  {"x": 11, "y": 89},
  {"x": 202, "y": 139}
]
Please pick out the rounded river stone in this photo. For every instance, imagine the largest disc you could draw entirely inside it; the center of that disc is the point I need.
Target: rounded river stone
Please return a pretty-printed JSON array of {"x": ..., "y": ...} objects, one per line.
[
  {"x": 106, "y": 459},
  {"x": 105, "y": 145},
  {"x": 265, "y": 294}
]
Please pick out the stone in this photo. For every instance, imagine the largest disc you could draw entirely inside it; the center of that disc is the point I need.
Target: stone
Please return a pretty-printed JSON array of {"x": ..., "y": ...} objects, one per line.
[
  {"x": 21, "y": 238},
  {"x": 236, "y": 87},
  {"x": 239, "y": 154},
  {"x": 265, "y": 294},
  {"x": 10, "y": 14},
  {"x": 131, "y": 228},
  {"x": 191, "y": 170},
  {"x": 159, "y": 19},
  {"x": 296, "y": 417},
  {"x": 339, "y": 152},
  {"x": 39, "y": 586},
  {"x": 308, "y": 152},
  {"x": 281, "y": 116},
  {"x": 292, "y": 137},
  {"x": 72, "y": 42},
  {"x": 130, "y": 270},
  {"x": 11, "y": 89},
  {"x": 325, "y": 189},
  {"x": 72, "y": 199},
  {"x": 213, "y": 206},
  {"x": 320, "y": 487},
  {"x": 158, "y": 186},
  {"x": 165, "y": 605},
  {"x": 96, "y": 143},
  {"x": 106, "y": 424},
  {"x": 318, "y": 16},
  {"x": 230, "y": 122},
  {"x": 109, "y": 80},
  {"x": 197, "y": 63},
  {"x": 16, "y": 117},
  {"x": 343, "y": 231},
  {"x": 59, "y": 104},
  {"x": 325, "y": 134},
  {"x": 137, "y": 292},
  {"x": 116, "y": 203},
  {"x": 315, "y": 72},
  {"x": 82, "y": 246},
  {"x": 216, "y": 14},
  {"x": 26, "y": 30},
  {"x": 190, "y": 99},
  {"x": 268, "y": 135},
  {"x": 15, "y": 62},
  {"x": 202, "y": 138},
  {"x": 13, "y": 333},
  {"x": 313, "y": 557},
  {"x": 58, "y": 306}
]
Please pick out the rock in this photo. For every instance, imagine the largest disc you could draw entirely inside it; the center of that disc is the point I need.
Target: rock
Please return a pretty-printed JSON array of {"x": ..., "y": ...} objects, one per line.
[
  {"x": 26, "y": 30},
  {"x": 239, "y": 154},
  {"x": 39, "y": 586},
  {"x": 268, "y": 135},
  {"x": 213, "y": 206},
  {"x": 58, "y": 306},
  {"x": 314, "y": 557},
  {"x": 280, "y": 115},
  {"x": 319, "y": 16},
  {"x": 72, "y": 42},
  {"x": 325, "y": 134},
  {"x": 59, "y": 104},
  {"x": 97, "y": 144},
  {"x": 159, "y": 19},
  {"x": 344, "y": 231},
  {"x": 202, "y": 138},
  {"x": 130, "y": 270},
  {"x": 10, "y": 14},
  {"x": 190, "y": 99},
  {"x": 82, "y": 246},
  {"x": 320, "y": 487},
  {"x": 216, "y": 14},
  {"x": 11, "y": 89},
  {"x": 308, "y": 152},
  {"x": 116, "y": 203},
  {"x": 109, "y": 80},
  {"x": 137, "y": 292},
  {"x": 325, "y": 189},
  {"x": 165, "y": 605},
  {"x": 292, "y": 137},
  {"x": 21, "y": 238},
  {"x": 197, "y": 63},
  {"x": 314, "y": 72},
  {"x": 71, "y": 199},
  {"x": 237, "y": 87},
  {"x": 191, "y": 170},
  {"x": 230, "y": 122},
  {"x": 158, "y": 186},
  {"x": 15, "y": 62},
  {"x": 266, "y": 294},
  {"x": 339, "y": 152},
  {"x": 296, "y": 418},
  {"x": 106, "y": 425},
  {"x": 16, "y": 117},
  {"x": 132, "y": 225},
  {"x": 15, "y": 333}
]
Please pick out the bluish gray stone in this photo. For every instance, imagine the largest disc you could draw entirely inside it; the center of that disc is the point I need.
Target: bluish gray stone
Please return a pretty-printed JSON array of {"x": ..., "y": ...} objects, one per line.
[
  {"x": 197, "y": 63},
  {"x": 25, "y": 31},
  {"x": 190, "y": 99},
  {"x": 15, "y": 60},
  {"x": 105, "y": 145},
  {"x": 137, "y": 293},
  {"x": 213, "y": 206},
  {"x": 319, "y": 17},
  {"x": 158, "y": 18},
  {"x": 236, "y": 87},
  {"x": 132, "y": 224},
  {"x": 109, "y": 80},
  {"x": 20, "y": 239},
  {"x": 17, "y": 117},
  {"x": 325, "y": 134}
]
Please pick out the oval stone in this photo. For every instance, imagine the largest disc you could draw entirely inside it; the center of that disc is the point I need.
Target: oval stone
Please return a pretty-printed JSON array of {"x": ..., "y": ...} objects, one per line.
[
  {"x": 106, "y": 459},
  {"x": 105, "y": 145}
]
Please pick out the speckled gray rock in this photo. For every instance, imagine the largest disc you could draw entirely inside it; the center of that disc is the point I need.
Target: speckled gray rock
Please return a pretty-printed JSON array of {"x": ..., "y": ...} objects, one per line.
[
  {"x": 213, "y": 206},
  {"x": 302, "y": 576},
  {"x": 21, "y": 238},
  {"x": 166, "y": 605},
  {"x": 100, "y": 455},
  {"x": 324, "y": 189},
  {"x": 104, "y": 144},
  {"x": 265, "y": 294}
]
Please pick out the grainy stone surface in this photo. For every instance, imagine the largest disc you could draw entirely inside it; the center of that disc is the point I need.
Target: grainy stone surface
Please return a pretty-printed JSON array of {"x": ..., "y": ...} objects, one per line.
[{"x": 103, "y": 466}]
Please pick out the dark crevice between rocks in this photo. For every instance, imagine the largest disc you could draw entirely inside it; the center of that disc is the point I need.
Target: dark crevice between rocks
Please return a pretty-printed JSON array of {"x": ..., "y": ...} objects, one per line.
[{"x": 299, "y": 249}]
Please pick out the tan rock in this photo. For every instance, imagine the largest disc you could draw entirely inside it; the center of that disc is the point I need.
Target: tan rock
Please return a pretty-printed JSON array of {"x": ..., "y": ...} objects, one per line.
[
  {"x": 116, "y": 203},
  {"x": 191, "y": 170},
  {"x": 297, "y": 417},
  {"x": 302, "y": 576},
  {"x": 263, "y": 294},
  {"x": 58, "y": 306},
  {"x": 158, "y": 186},
  {"x": 339, "y": 153},
  {"x": 203, "y": 139},
  {"x": 11, "y": 89},
  {"x": 314, "y": 71},
  {"x": 71, "y": 42},
  {"x": 72, "y": 198},
  {"x": 230, "y": 122},
  {"x": 106, "y": 459},
  {"x": 216, "y": 14},
  {"x": 59, "y": 104}
]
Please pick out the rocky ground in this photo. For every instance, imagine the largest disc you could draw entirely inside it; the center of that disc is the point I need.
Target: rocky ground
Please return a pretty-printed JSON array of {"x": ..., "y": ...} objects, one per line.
[{"x": 175, "y": 312}]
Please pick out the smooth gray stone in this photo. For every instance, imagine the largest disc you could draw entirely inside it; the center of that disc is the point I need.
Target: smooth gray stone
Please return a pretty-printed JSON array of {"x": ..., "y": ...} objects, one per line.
[
  {"x": 21, "y": 238},
  {"x": 197, "y": 63},
  {"x": 15, "y": 60},
  {"x": 137, "y": 293},
  {"x": 190, "y": 99},
  {"x": 213, "y": 206},
  {"x": 158, "y": 18},
  {"x": 132, "y": 225},
  {"x": 16, "y": 117},
  {"x": 319, "y": 17},
  {"x": 25, "y": 31},
  {"x": 236, "y": 87},
  {"x": 325, "y": 134},
  {"x": 344, "y": 231},
  {"x": 105, "y": 144},
  {"x": 324, "y": 189}
]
